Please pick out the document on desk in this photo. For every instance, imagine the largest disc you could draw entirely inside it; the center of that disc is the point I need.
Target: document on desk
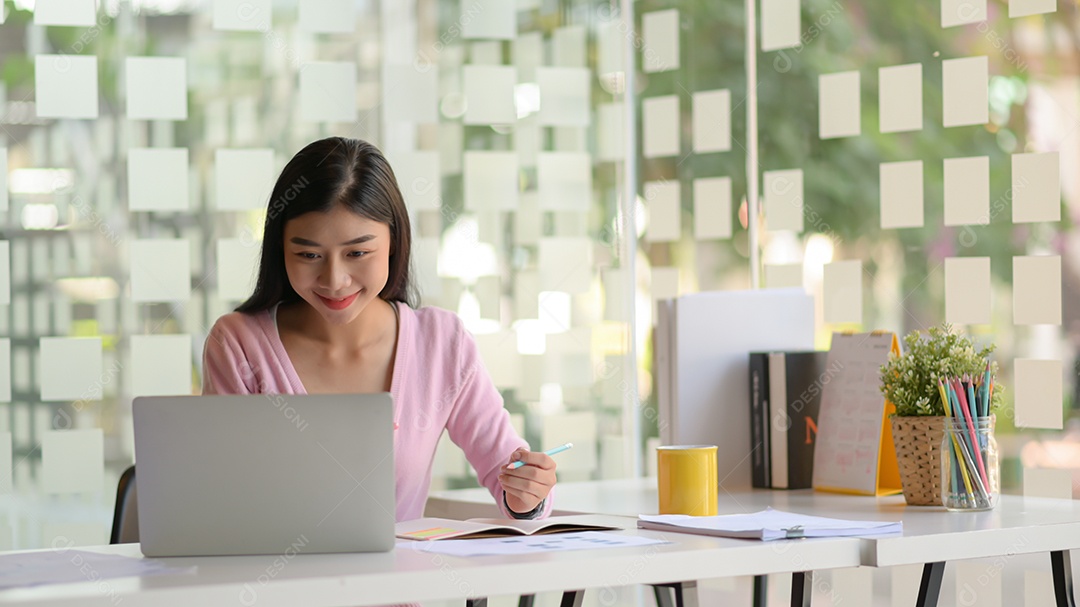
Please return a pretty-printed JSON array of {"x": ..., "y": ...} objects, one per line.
[
  {"x": 767, "y": 525},
  {"x": 24, "y": 569},
  {"x": 585, "y": 540}
]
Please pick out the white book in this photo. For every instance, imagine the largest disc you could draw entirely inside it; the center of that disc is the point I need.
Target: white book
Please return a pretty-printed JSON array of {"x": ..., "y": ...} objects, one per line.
[{"x": 767, "y": 525}]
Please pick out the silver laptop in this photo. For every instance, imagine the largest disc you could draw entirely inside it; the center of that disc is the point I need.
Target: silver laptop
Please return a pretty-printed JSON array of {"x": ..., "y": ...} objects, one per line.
[{"x": 265, "y": 474}]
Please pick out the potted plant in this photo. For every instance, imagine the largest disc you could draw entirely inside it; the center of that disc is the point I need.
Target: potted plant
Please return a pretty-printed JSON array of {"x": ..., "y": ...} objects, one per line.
[{"x": 910, "y": 382}]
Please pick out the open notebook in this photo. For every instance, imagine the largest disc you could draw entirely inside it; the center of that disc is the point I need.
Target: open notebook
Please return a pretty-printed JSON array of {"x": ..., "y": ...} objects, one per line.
[
  {"x": 476, "y": 528},
  {"x": 768, "y": 524}
]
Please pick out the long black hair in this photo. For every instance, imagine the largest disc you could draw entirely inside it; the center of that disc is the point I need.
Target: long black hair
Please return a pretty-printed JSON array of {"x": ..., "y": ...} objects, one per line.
[{"x": 333, "y": 171}]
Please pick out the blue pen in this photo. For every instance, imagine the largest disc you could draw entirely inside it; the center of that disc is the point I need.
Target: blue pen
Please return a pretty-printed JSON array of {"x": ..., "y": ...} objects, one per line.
[{"x": 553, "y": 451}]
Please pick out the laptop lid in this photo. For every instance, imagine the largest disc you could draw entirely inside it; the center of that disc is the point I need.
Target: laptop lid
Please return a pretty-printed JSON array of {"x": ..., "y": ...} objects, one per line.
[{"x": 265, "y": 474}]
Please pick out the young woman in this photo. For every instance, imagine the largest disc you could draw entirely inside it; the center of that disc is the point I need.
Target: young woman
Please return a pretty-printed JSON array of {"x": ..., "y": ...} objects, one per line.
[{"x": 333, "y": 312}]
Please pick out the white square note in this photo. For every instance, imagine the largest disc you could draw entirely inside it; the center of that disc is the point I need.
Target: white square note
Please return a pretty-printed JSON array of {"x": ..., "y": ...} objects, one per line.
[
  {"x": 1038, "y": 393},
  {"x": 70, "y": 368},
  {"x": 900, "y": 95},
  {"x": 237, "y": 267},
  {"x": 967, "y": 290},
  {"x": 783, "y": 193},
  {"x": 712, "y": 121},
  {"x": 712, "y": 208},
  {"x": 489, "y": 94},
  {"x": 411, "y": 95},
  {"x": 158, "y": 179},
  {"x": 902, "y": 194},
  {"x": 838, "y": 105},
  {"x": 780, "y": 24},
  {"x": 566, "y": 264},
  {"x": 66, "y": 86},
  {"x": 495, "y": 19},
  {"x": 1036, "y": 187},
  {"x": 1024, "y": 8},
  {"x": 1048, "y": 482},
  {"x": 242, "y": 15},
  {"x": 244, "y": 179},
  {"x": 960, "y": 12},
  {"x": 73, "y": 461},
  {"x": 327, "y": 16},
  {"x": 1037, "y": 290},
  {"x": 328, "y": 91},
  {"x": 662, "y": 204},
  {"x": 161, "y": 365},
  {"x": 843, "y": 291},
  {"x": 564, "y": 96},
  {"x": 967, "y": 191},
  {"x": 783, "y": 275},
  {"x": 160, "y": 269},
  {"x": 660, "y": 123},
  {"x": 660, "y": 37},
  {"x": 965, "y": 91},
  {"x": 419, "y": 179},
  {"x": 74, "y": 13},
  {"x": 156, "y": 88},
  {"x": 491, "y": 181},
  {"x": 564, "y": 181}
]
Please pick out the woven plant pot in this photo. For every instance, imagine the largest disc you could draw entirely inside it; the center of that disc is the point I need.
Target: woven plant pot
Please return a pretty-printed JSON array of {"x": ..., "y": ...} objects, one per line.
[{"x": 918, "y": 453}]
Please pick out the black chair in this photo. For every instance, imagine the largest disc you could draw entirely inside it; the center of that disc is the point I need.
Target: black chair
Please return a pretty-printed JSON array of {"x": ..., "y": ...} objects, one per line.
[{"x": 125, "y": 525}]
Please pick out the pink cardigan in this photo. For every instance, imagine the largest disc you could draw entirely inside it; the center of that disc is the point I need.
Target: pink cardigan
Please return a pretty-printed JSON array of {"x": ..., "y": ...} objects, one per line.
[{"x": 439, "y": 382}]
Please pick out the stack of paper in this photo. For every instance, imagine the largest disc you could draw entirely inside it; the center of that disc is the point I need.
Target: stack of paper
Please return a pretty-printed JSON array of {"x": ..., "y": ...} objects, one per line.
[{"x": 768, "y": 524}]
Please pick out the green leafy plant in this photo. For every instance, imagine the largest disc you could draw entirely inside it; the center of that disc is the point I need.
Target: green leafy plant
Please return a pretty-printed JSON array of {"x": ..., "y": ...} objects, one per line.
[{"x": 910, "y": 380}]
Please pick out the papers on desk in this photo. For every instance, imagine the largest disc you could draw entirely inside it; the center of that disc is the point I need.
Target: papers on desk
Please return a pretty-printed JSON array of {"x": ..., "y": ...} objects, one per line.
[
  {"x": 766, "y": 525},
  {"x": 69, "y": 566},
  {"x": 585, "y": 540}
]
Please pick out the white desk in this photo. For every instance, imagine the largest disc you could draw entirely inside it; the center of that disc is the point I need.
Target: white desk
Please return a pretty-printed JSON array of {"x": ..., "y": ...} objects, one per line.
[
  {"x": 931, "y": 535},
  {"x": 408, "y": 575}
]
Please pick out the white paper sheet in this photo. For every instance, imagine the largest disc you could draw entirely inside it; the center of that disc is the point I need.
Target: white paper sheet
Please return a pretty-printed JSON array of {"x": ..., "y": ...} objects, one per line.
[
  {"x": 842, "y": 283},
  {"x": 74, "y": 13},
  {"x": 158, "y": 179},
  {"x": 156, "y": 88},
  {"x": 1037, "y": 290},
  {"x": 660, "y": 36},
  {"x": 965, "y": 91},
  {"x": 660, "y": 123},
  {"x": 902, "y": 194},
  {"x": 967, "y": 290},
  {"x": 1023, "y": 8},
  {"x": 1036, "y": 187},
  {"x": 328, "y": 91},
  {"x": 1038, "y": 393},
  {"x": 242, "y": 15},
  {"x": 556, "y": 542},
  {"x": 568, "y": 46},
  {"x": 838, "y": 105},
  {"x": 489, "y": 91},
  {"x": 959, "y": 12},
  {"x": 327, "y": 16},
  {"x": 564, "y": 96},
  {"x": 244, "y": 179},
  {"x": 712, "y": 208},
  {"x": 566, "y": 264},
  {"x": 770, "y": 524},
  {"x": 1048, "y": 482},
  {"x": 70, "y": 368},
  {"x": 161, "y": 365},
  {"x": 967, "y": 191},
  {"x": 783, "y": 194},
  {"x": 26, "y": 569},
  {"x": 411, "y": 95},
  {"x": 160, "y": 269},
  {"x": 783, "y": 275},
  {"x": 66, "y": 86},
  {"x": 237, "y": 267},
  {"x": 780, "y": 24},
  {"x": 496, "y": 19},
  {"x": 712, "y": 121},
  {"x": 72, "y": 461},
  {"x": 900, "y": 95},
  {"x": 419, "y": 178},
  {"x": 664, "y": 209},
  {"x": 610, "y": 132},
  {"x": 564, "y": 181},
  {"x": 491, "y": 181}
]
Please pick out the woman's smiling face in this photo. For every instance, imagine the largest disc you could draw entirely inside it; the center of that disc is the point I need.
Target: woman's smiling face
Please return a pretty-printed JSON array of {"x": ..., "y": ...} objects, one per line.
[{"x": 337, "y": 261}]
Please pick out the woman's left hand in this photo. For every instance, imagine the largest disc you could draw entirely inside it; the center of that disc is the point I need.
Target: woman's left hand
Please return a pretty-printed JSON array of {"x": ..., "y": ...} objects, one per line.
[{"x": 528, "y": 485}]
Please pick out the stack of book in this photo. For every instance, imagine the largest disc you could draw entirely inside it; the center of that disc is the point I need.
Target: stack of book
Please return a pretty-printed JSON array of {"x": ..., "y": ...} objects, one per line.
[{"x": 785, "y": 397}]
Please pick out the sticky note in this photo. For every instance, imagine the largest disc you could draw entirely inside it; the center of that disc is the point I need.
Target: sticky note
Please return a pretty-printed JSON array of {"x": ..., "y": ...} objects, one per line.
[
  {"x": 967, "y": 191},
  {"x": 780, "y": 24},
  {"x": 411, "y": 95},
  {"x": 244, "y": 180},
  {"x": 660, "y": 36},
  {"x": 901, "y": 194},
  {"x": 495, "y": 19},
  {"x": 528, "y": 52},
  {"x": 1037, "y": 290},
  {"x": 783, "y": 275},
  {"x": 237, "y": 267},
  {"x": 564, "y": 96},
  {"x": 1038, "y": 393},
  {"x": 72, "y": 461},
  {"x": 609, "y": 49},
  {"x": 610, "y": 146},
  {"x": 419, "y": 179},
  {"x": 328, "y": 91},
  {"x": 783, "y": 193},
  {"x": 967, "y": 290},
  {"x": 1024, "y": 8},
  {"x": 75, "y": 13},
  {"x": 160, "y": 269},
  {"x": 838, "y": 105},
  {"x": 489, "y": 91},
  {"x": 66, "y": 86},
  {"x": 712, "y": 208},
  {"x": 566, "y": 264},
  {"x": 564, "y": 181},
  {"x": 327, "y": 16},
  {"x": 853, "y": 586},
  {"x": 960, "y": 12},
  {"x": 1036, "y": 187},
  {"x": 712, "y": 121},
  {"x": 843, "y": 291},
  {"x": 158, "y": 179},
  {"x": 491, "y": 180},
  {"x": 965, "y": 91},
  {"x": 662, "y": 204},
  {"x": 70, "y": 368},
  {"x": 528, "y": 220},
  {"x": 977, "y": 584},
  {"x": 485, "y": 52},
  {"x": 3, "y": 175},
  {"x": 900, "y": 98},
  {"x": 242, "y": 15},
  {"x": 1048, "y": 482},
  {"x": 156, "y": 88},
  {"x": 660, "y": 123},
  {"x": 5, "y": 272},
  {"x": 568, "y": 45},
  {"x": 160, "y": 365}
]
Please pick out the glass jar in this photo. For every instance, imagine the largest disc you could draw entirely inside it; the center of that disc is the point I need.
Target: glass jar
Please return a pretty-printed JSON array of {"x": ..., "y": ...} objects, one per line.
[{"x": 970, "y": 472}]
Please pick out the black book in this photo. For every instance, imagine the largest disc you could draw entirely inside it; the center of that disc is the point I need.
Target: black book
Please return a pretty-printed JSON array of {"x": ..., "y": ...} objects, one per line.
[
  {"x": 759, "y": 416},
  {"x": 796, "y": 382}
]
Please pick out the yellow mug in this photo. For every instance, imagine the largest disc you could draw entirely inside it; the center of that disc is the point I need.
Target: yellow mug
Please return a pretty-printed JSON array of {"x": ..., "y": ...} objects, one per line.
[{"x": 687, "y": 479}]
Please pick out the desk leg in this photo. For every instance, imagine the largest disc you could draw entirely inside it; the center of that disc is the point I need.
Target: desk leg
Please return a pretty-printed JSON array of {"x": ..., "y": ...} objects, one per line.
[
  {"x": 685, "y": 594},
  {"x": 527, "y": 600},
  {"x": 802, "y": 588},
  {"x": 572, "y": 598},
  {"x": 1061, "y": 563},
  {"x": 930, "y": 587},
  {"x": 761, "y": 591},
  {"x": 480, "y": 602}
]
